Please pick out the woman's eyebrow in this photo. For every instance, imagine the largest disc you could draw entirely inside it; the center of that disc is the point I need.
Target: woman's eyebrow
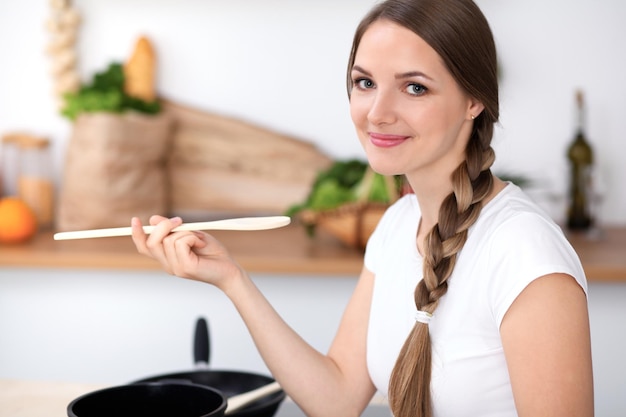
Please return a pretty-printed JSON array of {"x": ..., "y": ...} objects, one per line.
[
  {"x": 410, "y": 74},
  {"x": 403, "y": 75},
  {"x": 361, "y": 70}
]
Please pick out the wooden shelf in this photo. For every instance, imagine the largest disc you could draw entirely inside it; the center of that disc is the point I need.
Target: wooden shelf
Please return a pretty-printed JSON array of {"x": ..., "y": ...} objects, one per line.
[
  {"x": 281, "y": 251},
  {"x": 603, "y": 257},
  {"x": 286, "y": 250}
]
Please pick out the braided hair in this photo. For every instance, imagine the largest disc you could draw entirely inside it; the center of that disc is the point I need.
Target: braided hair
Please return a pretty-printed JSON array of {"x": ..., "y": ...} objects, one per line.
[{"x": 458, "y": 31}]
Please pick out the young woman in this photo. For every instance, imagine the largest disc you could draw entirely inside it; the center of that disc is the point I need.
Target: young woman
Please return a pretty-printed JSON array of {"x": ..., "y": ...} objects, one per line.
[{"x": 471, "y": 302}]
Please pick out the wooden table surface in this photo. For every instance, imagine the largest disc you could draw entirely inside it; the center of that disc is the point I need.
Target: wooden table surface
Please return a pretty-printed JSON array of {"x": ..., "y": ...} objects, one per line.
[
  {"x": 38, "y": 398},
  {"x": 280, "y": 251},
  {"x": 604, "y": 256},
  {"x": 285, "y": 250}
]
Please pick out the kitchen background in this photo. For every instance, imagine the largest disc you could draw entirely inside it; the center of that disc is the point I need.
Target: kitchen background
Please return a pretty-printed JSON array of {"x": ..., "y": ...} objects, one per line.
[{"x": 281, "y": 64}]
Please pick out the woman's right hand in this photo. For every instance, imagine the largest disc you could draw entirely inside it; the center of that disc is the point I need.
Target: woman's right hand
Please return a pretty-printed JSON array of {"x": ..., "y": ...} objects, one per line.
[{"x": 193, "y": 255}]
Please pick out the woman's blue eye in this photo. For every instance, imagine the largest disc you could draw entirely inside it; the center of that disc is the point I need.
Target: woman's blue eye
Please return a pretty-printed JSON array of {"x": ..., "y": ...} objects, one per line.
[
  {"x": 364, "y": 83},
  {"x": 416, "y": 89}
]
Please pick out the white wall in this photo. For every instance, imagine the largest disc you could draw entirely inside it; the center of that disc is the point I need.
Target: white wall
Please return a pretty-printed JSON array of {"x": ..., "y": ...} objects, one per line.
[
  {"x": 117, "y": 326},
  {"x": 281, "y": 64}
]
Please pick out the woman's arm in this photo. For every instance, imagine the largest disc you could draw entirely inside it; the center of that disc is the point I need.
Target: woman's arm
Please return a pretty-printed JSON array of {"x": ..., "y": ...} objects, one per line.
[
  {"x": 546, "y": 339},
  {"x": 336, "y": 384},
  {"x": 322, "y": 385}
]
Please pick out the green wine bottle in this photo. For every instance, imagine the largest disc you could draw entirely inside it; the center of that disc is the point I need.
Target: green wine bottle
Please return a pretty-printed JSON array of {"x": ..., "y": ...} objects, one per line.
[{"x": 580, "y": 157}]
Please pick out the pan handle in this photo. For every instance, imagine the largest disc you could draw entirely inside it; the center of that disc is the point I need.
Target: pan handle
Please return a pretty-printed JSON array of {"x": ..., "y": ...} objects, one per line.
[{"x": 201, "y": 343}]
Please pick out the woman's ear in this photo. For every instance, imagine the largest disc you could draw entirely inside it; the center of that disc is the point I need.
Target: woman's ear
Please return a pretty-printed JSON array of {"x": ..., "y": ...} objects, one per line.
[{"x": 474, "y": 109}]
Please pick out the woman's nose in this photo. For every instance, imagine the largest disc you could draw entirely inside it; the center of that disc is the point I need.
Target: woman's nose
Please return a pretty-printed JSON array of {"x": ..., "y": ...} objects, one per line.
[{"x": 382, "y": 109}]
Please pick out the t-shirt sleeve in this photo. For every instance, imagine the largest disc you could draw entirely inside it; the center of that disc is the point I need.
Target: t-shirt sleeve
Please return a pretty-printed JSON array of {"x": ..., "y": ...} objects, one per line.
[{"x": 523, "y": 249}]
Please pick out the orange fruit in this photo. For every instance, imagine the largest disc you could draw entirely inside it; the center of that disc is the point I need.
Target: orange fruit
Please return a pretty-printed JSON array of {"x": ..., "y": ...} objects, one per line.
[{"x": 17, "y": 221}]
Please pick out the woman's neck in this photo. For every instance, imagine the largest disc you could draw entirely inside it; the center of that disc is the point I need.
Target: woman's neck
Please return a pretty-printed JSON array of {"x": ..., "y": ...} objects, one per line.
[{"x": 430, "y": 195}]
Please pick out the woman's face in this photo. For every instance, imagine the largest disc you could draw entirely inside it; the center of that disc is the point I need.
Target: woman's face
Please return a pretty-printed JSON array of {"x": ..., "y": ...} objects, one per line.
[{"x": 410, "y": 115}]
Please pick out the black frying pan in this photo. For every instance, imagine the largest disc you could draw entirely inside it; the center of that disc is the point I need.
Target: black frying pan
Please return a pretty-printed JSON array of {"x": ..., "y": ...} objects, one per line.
[
  {"x": 228, "y": 382},
  {"x": 150, "y": 399}
]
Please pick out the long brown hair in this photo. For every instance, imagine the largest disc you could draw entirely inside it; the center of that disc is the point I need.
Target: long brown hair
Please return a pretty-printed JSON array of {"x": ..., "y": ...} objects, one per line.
[{"x": 458, "y": 31}]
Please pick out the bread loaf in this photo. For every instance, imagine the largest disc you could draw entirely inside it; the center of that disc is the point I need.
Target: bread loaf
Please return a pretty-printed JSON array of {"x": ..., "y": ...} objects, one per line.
[{"x": 139, "y": 72}]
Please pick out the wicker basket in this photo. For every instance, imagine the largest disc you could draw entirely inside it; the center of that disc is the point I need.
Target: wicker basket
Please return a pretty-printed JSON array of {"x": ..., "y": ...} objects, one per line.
[{"x": 351, "y": 223}]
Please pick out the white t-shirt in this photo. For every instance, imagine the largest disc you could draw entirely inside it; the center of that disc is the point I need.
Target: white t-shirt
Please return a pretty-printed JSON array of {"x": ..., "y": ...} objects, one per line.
[{"x": 512, "y": 243}]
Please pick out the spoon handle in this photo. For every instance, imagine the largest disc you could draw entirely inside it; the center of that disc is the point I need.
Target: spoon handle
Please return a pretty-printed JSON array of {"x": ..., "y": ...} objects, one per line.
[
  {"x": 242, "y": 223},
  {"x": 239, "y": 401}
]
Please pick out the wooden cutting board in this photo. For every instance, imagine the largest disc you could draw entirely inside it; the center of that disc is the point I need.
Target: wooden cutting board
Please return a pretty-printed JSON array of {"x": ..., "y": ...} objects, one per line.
[{"x": 222, "y": 164}]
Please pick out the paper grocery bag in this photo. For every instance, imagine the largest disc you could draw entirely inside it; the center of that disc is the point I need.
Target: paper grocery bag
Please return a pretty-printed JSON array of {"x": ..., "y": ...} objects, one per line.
[{"x": 114, "y": 170}]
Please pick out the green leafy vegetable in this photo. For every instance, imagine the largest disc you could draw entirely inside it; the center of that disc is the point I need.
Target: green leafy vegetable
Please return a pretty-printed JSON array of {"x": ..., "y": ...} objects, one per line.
[
  {"x": 106, "y": 94},
  {"x": 330, "y": 194},
  {"x": 346, "y": 173},
  {"x": 347, "y": 182}
]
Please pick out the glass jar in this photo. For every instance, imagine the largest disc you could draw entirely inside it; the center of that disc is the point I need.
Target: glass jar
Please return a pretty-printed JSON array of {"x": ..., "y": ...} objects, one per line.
[
  {"x": 34, "y": 179},
  {"x": 9, "y": 165}
]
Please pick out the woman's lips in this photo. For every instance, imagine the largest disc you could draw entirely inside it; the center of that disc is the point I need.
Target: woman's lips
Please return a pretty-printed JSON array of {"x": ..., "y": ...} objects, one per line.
[{"x": 386, "y": 141}]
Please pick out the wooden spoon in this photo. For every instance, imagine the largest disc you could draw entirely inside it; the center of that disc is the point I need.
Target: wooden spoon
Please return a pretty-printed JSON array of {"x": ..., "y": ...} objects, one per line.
[
  {"x": 237, "y": 402},
  {"x": 242, "y": 223}
]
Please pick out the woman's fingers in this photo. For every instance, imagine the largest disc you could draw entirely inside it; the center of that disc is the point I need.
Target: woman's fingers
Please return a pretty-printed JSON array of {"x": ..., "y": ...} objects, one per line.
[
  {"x": 154, "y": 220},
  {"x": 153, "y": 245},
  {"x": 175, "y": 251},
  {"x": 138, "y": 235},
  {"x": 195, "y": 255},
  {"x": 174, "y": 260},
  {"x": 162, "y": 228},
  {"x": 180, "y": 249}
]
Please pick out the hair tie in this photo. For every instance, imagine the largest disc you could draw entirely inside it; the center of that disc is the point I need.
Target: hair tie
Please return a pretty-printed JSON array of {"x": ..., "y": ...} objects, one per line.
[{"x": 423, "y": 316}]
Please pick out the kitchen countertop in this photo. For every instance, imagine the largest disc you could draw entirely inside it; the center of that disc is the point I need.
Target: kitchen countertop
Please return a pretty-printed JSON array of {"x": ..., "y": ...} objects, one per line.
[
  {"x": 603, "y": 256},
  {"x": 36, "y": 399},
  {"x": 39, "y": 398},
  {"x": 286, "y": 250}
]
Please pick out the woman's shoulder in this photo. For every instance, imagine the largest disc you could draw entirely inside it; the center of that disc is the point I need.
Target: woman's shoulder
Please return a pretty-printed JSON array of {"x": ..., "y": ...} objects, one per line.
[
  {"x": 512, "y": 209},
  {"x": 515, "y": 232},
  {"x": 514, "y": 227}
]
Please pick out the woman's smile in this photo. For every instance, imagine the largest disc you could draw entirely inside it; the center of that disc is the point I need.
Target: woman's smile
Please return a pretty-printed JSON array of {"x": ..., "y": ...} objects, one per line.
[{"x": 382, "y": 140}]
